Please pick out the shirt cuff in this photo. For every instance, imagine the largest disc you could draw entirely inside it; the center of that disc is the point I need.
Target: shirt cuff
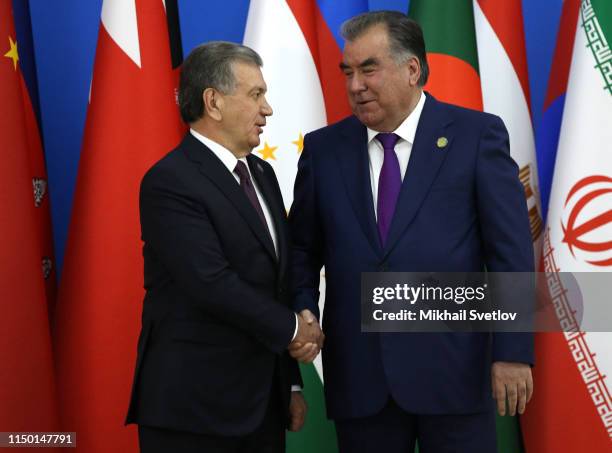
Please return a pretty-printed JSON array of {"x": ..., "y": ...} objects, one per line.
[
  {"x": 296, "y": 327},
  {"x": 296, "y": 388}
]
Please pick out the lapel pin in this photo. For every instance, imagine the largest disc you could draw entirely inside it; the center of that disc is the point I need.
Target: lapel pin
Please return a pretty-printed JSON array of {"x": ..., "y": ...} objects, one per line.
[{"x": 442, "y": 142}]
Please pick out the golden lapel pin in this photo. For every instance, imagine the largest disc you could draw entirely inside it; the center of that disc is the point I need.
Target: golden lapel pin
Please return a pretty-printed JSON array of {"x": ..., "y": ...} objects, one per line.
[{"x": 442, "y": 142}]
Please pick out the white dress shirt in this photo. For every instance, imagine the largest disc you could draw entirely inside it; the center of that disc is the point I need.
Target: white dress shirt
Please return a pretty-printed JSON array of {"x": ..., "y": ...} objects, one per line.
[{"x": 403, "y": 148}]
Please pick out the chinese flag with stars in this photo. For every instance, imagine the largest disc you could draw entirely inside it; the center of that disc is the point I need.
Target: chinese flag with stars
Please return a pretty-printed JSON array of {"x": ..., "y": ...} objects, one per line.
[
  {"x": 27, "y": 388},
  {"x": 132, "y": 121}
]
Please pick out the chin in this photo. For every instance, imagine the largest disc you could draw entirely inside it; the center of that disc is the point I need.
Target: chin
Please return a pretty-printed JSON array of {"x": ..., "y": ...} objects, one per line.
[
  {"x": 368, "y": 118},
  {"x": 368, "y": 121}
]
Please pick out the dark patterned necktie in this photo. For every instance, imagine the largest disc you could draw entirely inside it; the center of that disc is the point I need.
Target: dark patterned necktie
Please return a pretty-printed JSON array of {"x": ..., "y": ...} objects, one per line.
[{"x": 247, "y": 185}]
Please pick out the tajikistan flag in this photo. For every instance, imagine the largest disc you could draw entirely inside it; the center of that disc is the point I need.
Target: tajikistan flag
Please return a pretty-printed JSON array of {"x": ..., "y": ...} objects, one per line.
[{"x": 300, "y": 48}]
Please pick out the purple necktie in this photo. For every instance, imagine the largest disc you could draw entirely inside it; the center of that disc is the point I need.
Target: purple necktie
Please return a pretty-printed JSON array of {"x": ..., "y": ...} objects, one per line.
[
  {"x": 247, "y": 185},
  {"x": 389, "y": 184}
]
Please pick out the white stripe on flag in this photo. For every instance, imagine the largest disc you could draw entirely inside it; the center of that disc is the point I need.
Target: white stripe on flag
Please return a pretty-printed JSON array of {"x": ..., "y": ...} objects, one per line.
[
  {"x": 119, "y": 20},
  {"x": 294, "y": 92},
  {"x": 503, "y": 95}
]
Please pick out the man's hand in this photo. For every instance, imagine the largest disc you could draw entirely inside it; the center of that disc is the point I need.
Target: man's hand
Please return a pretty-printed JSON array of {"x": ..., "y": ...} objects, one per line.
[
  {"x": 309, "y": 339},
  {"x": 297, "y": 411},
  {"x": 512, "y": 380}
]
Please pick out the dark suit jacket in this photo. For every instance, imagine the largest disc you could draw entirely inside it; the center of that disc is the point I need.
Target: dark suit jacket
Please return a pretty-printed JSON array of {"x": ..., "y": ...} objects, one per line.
[
  {"x": 216, "y": 320},
  {"x": 461, "y": 208}
]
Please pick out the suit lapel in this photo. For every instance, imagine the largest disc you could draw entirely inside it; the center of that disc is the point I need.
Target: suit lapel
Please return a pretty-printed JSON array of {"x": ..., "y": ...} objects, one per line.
[
  {"x": 352, "y": 155},
  {"x": 426, "y": 158},
  {"x": 275, "y": 206},
  {"x": 211, "y": 167}
]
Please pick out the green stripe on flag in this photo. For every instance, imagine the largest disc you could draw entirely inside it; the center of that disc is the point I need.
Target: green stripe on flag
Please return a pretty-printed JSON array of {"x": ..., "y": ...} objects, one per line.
[
  {"x": 603, "y": 11},
  {"x": 509, "y": 435},
  {"x": 448, "y": 26},
  {"x": 318, "y": 434},
  {"x": 597, "y": 24}
]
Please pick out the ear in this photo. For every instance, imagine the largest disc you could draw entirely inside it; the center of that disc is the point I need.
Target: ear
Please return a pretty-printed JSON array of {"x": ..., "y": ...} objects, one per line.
[
  {"x": 414, "y": 70},
  {"x": 213, "y": 104}
]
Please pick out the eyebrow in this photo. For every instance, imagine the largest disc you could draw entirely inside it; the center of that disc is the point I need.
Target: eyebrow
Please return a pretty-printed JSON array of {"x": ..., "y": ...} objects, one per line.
[
  {"x": 367, "y": 62},
  {"x": 257, "y": 88}
]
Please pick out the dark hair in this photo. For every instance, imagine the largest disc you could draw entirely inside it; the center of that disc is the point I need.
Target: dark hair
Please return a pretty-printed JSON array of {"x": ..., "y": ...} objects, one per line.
[
  {"x": 405, "y": 36},
  {"x": 210, "y": 66}
]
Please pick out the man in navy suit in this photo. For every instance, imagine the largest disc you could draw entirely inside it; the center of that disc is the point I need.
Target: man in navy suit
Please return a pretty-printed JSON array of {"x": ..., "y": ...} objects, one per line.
[
  {"x": 213, "y": 372},
  {"x": 408, "y": 184}
]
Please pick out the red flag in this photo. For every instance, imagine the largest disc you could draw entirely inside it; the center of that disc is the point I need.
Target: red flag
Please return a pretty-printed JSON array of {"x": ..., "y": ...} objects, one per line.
[
  {"x": 27, "y": 389},
  {"x": 132, "y": 121},
  {"x": 326, "y": 55}
]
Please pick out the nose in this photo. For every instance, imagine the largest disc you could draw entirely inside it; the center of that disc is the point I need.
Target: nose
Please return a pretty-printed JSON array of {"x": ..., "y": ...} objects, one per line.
[
  {"x": 356, "y": 83},
  {"x": 266, "y": 109}
]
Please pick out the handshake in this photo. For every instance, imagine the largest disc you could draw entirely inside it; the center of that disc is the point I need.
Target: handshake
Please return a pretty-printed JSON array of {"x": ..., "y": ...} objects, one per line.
[{"x": 309, "y": 338}]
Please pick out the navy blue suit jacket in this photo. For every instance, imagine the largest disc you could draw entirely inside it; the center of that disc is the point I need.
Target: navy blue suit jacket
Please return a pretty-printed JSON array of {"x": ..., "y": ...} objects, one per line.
[{"x": 461, "y": 208}]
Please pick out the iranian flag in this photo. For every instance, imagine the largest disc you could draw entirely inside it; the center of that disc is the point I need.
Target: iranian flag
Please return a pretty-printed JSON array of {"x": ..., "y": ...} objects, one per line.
[
  {"x": 306, "y": 92},
  {"x": 572, "y": 407},
  {"x": 476, "y": 53},
  {"x": 132, "y": 121}
]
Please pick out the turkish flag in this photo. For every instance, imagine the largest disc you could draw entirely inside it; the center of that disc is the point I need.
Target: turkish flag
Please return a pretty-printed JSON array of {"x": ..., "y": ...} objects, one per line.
[{"x": 132, "y": 121}]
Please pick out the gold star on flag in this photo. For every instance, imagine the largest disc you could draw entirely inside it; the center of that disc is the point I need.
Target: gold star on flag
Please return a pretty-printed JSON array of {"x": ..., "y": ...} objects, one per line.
[
  {"x": 12, "y": 53},
  {"x": 299, "y": 143},
  {"x": 267, "y": 152}
]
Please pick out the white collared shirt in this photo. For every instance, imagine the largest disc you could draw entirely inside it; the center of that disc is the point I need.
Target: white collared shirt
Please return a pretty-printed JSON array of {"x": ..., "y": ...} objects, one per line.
[
  {"x": 403, "y": 148},
  {"x": 230, "y": 161}
]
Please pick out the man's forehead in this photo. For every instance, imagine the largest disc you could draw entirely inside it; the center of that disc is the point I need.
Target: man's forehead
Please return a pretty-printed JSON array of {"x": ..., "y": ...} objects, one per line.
[
  {"x": 244, "y": 69},
  {"x": 371, "y": 44},
  {"x": 248, "y": 75}
]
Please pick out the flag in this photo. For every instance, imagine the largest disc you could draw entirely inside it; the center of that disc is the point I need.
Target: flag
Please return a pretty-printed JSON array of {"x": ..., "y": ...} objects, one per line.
[
  {"x": 301, "y": 55},
  {"x": 296, "y": 98},
  {"x": 572, "y": 406},
  {"x": 547, "y": 137},
  {"x": 27, "y": 387},
  {"x": 505, "y": 90},
  {"x": 450, "y": 40},
  {"x": 23, "y": 26},
  {"x": 550, "y": 348},
  {"x": 132, "y": 121}
]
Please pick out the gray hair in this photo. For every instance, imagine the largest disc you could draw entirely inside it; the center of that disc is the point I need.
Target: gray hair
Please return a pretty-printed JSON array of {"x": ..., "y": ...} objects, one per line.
[
  {"x": 405, "y": 36},
  {"x": 210, "y": 66}
]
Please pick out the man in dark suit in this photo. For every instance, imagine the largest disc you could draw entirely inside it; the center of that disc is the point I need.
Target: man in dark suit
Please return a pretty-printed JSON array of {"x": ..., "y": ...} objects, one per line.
[
  {"x": 408, "y": 184},
  {"x": 213, "y": 373}
]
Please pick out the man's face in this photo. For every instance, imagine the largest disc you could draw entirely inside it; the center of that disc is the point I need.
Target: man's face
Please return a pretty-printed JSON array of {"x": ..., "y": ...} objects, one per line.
[
  {"x": 380, "y": 91},
  {"x": 245, "y": 109}
]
